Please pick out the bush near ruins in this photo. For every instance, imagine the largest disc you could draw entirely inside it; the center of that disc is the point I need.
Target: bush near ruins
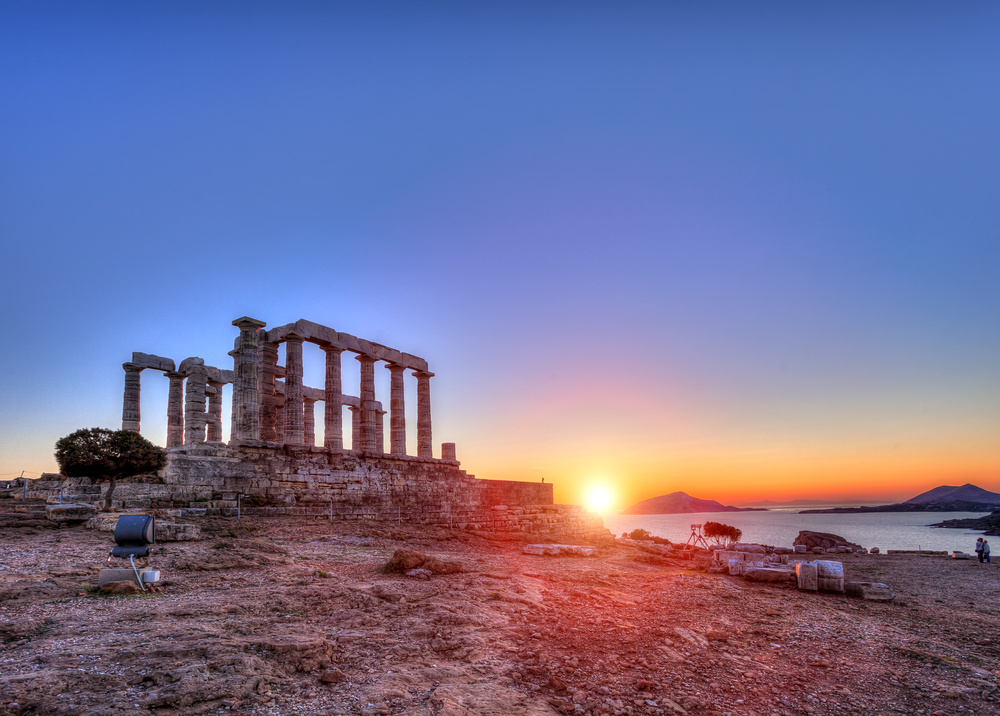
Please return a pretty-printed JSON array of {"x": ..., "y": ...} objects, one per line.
[
  {"x": 106, "y": 455},
  {"x": 717, "y": 530}
]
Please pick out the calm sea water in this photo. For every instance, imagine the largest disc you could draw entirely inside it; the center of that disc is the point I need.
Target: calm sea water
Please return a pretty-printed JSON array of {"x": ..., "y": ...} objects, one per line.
[{"x": 780, "y": 526}]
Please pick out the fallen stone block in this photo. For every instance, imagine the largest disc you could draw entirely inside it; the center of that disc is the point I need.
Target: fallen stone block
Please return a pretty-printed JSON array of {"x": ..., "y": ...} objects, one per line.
[
  {"x": 961, "y": 555},
  {"x": 799, "y": 549},
  {"x": 751, "y": 548},
  {"x": 873, "y": 591},
  {"x": 70, "y": 512},
  {"x": 559, "y": 549},
  {"x": 768, "y": 574},
  {"x": 807, "y": 576},
  {"x": 830, "y": 576},
  {"x": 176, "y": 532}
]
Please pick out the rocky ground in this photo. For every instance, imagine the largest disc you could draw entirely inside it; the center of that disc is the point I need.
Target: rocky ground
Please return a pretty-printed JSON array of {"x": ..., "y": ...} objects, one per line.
[{"x": 295, "y": 616}]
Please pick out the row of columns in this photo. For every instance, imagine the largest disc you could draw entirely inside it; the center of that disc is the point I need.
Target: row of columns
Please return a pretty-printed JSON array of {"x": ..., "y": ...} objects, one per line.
[
  {"x": 255, "y": 409},
  {"x": 180, "y": 403}
]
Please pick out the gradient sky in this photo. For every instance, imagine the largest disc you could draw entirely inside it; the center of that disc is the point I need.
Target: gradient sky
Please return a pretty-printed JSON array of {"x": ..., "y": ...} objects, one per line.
[{"x": 744, "y": 250}]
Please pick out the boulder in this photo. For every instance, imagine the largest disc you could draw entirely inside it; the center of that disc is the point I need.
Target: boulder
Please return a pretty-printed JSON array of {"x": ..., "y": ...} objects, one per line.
[
  {"x": 407, "y": 560},
  {"x": 70, "y": 512},
  {"x": 873, "y": 591},
  {"x": 825, "y": 540}
]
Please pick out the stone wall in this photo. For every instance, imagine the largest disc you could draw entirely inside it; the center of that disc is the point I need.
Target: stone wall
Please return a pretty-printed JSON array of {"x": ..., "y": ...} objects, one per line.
[{"x": 207, "y": 478}]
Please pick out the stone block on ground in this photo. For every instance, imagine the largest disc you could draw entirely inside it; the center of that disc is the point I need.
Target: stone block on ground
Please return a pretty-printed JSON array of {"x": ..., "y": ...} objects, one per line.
[
  {"x": 768, "y": 574},
  {"x": 830, "y": 576},
  {"x": 70, "y": 512},
  {"x": 406, "y": 560},
  {"x": 873, "y": 591},
  {"x": 807, "y": 576},
  {"x": 176, "y": 532},
  {"x": 961, "y": 555},
  {"x": 553, "y": 550}
]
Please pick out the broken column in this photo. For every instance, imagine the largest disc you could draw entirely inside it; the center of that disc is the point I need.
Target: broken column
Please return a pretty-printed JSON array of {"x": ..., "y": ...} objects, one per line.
[
  {"x": 293, "y": 389},
  {"x": 175, "y": 409},
  {"x": 309, "y": 421},
  {"x": 267, "y": 371},
  {"x": 214, "y": 411},
  {"x": 367, "y": 399},
  {"x": 448, "y": 451},
  {"x": 397, "y": 406},
  {"x": 246, "y": 399},
  {"x": 425, "y": 447},
  {"x": 130, "y": 403},
  {"x": 333, "y": 412}
]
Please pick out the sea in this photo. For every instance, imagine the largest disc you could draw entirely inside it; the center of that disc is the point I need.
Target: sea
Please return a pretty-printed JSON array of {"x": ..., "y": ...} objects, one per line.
[{"x": 779, "y": 526}]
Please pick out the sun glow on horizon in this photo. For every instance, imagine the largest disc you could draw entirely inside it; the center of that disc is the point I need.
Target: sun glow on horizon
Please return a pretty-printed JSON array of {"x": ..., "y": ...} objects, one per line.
[{"x": 599, "y": 499}]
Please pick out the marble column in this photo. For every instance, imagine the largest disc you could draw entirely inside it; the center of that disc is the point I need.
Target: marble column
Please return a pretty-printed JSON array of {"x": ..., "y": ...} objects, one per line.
[
  {"x": 195, "y": 415},
  {"x": 380, "y": 431},
  {"x": 448, "y": 451},
  {"x": 268, "y": 397},
  {"x": 425, "y": 446},
  {"x": 293, "y": 389},
  {"x": 235, "y": 355},
  {"x": 397, "y": 406},
  {"x": 175, "y": 409},
  {"x": 246, "y": 399},
  {"x": 214, "y": 412},
  {"x": 309, "y": 421},
  {"x": 279, "y": 421},
  {"x": 130, "y": 402},
  {"x": 355, "y": 427},
  {"x": 333, "y": 411},
  {"x": 367, "y": 398}
]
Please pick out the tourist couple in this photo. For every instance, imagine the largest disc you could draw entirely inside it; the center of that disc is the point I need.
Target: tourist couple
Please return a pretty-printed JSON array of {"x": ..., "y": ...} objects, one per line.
[{"x": 983, "y": 550}]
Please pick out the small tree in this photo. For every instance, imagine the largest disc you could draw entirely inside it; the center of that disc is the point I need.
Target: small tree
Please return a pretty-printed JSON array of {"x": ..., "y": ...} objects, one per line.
[
  {"x": 102, "y": 454},
  {"x": 717, "y": 530}
]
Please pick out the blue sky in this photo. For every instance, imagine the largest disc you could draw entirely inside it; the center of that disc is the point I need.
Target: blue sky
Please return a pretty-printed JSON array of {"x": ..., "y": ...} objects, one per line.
[{"x": 645, "y": 244}]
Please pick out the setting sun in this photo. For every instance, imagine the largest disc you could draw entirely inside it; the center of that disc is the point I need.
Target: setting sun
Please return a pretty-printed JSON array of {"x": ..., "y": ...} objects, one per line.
[{"x": 599, "y": 499}]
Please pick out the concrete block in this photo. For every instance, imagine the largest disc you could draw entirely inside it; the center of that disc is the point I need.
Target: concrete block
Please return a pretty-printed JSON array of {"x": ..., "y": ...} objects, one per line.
[{"x": 807, "y": 576}]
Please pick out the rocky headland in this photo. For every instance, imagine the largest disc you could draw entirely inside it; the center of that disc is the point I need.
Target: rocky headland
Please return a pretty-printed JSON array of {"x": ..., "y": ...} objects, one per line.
[
  {"x": 989, "y": 524},
  {"x": 946, "y": 498},
  {"x": 682, "y": 503}
]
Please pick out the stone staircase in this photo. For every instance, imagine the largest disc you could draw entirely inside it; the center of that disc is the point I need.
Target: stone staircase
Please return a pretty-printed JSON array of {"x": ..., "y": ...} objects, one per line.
[{"x": 15, "y": 514}]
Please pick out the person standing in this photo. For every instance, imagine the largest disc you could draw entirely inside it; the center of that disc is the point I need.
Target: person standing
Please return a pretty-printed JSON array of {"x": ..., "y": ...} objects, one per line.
[
  {"x": 979, "y": 549},
  {"x": 986, "y": 551}
]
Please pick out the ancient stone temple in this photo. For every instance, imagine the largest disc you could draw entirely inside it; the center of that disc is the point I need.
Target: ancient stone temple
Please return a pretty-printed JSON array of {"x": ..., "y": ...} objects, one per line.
[{"x": 272, "y": 464}]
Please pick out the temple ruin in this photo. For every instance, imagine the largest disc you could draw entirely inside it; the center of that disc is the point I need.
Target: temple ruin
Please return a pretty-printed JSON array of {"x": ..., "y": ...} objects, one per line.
[{"x": 272, "y": 464}]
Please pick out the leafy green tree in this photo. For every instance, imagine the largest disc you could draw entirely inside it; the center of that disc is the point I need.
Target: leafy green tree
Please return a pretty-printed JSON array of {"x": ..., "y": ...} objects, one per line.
[
  {"x": 717, "y": 530},
  {"x": 106, "y": 455}
]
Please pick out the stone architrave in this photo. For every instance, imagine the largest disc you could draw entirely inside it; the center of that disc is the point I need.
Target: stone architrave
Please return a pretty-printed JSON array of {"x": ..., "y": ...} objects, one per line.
[
  {"x": 130, "y": 402},
  {"x": 195, "y": 398},
  {"x": 246, "y": 400},
  {"x": 333, "y": 411},
  {"x": 355, "y": 427},
  {"x": 425, "y": 445},
  {"x": 380, "y": 431},
  {"x": 214, "y": 411},
  {"x": 268, "y": 397},
  {"x": 175, "y": 409},
  {"x": 397, "y": 406},
  {"x": 293, "y": 389},
  {"x": 367, "y": 398},
  {"x": 309, "y": 421}
]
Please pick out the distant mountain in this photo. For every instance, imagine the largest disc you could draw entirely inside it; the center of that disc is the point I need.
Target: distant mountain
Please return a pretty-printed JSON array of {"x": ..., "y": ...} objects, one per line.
[
  {"x": 947, "y": 493},
  {"x": 681, "y": 503},
  {"x": 792, "y": 503}
]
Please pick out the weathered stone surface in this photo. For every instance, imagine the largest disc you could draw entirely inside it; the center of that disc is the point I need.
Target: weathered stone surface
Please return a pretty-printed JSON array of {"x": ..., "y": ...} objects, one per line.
[
  {"x": 425, "y": 441},
  {"x": 147, "y": 360},
  {"x": 406, "y": 560},
  {"x": 830, "y": 576},
  {"x": 333, "y": 415},
  {"x": 367, "y": 395},
  {"x": 768, "y": 574},
  {"x": 873, "y": 591},
  {"x": 397, "y": 404},
  {"x": 807, "y": 576},
  {"x": 70, "y": 512},
  {"x": 176, "y": 532},
  {"x": 130, "y": 401},
  {"x": 175, "y": 409},
  {"x": 120, "y": 588}
]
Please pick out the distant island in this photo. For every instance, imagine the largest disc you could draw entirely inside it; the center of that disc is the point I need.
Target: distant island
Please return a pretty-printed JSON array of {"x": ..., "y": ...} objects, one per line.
[
  {"x": 677, "y": 503},
  {"x": 946, "y": 498}
]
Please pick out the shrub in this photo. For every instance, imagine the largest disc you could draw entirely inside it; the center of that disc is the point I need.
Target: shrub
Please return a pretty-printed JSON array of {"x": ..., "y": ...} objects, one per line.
[
  {"x": 717, "y": 530},
  {"x": 640, "y": 533}
]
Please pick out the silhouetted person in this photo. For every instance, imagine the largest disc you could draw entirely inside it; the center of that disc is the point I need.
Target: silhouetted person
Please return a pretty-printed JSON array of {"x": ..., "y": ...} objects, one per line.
[
  {"x": 986, "y": 551},
  {"x": 979, "y": 549}
]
